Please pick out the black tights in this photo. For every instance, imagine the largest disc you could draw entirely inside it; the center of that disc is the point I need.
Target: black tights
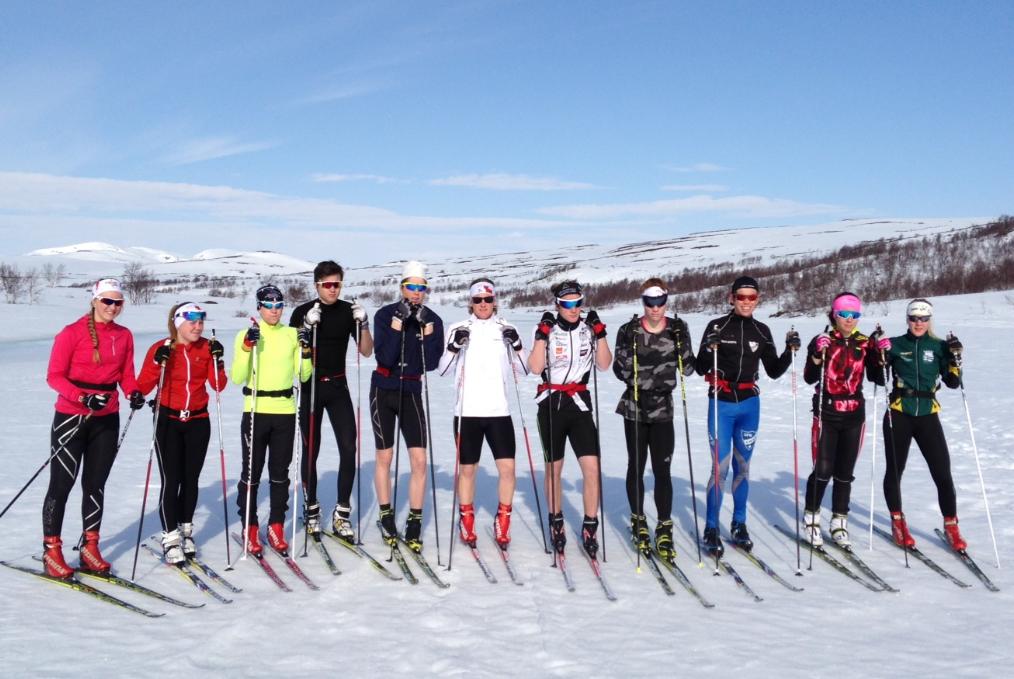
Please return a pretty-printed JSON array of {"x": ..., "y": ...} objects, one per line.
[{"x": 658, "y": 439}]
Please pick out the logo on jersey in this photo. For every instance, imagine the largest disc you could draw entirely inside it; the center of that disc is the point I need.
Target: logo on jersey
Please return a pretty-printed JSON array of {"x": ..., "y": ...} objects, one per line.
[
  {"x": 753, "y": 346},
  {"x": 927, "y": 355},
  {"x": 749, "y": 438},
  {"x": 905, "y": 356}
]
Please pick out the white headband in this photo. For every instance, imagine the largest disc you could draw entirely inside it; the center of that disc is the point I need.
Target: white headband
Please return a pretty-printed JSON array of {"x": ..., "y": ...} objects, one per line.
[
  {"x": 178, "y": 318},
  {"x": 481, "y": 289},
  {"x": 654, "y": 291},
  {"x": 106, "y": 285}
]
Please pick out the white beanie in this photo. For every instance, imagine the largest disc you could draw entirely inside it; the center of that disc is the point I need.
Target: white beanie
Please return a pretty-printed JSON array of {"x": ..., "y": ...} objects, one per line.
[
  {"x": 414, "y": 269},
  {"x": 106, "y": 285},
  {"x": 919, "y": 307}
]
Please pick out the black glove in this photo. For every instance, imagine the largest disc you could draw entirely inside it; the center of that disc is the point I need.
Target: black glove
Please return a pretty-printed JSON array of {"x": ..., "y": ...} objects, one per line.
[
  {"x": 95, "y": 401},
  {"x": 216, "y": 349},
  {"x": 304, "y": 335},
  {"x": 596, "y": 324},
  {"x": 253, "y": 334},
  {"x": 876, "y": 334},
  {"x": 954, "y": 345},
  {"x": 136, "y": 399},
  {"x": 511, "y": 337},
  {"x": 545, "y": 326},
  {"x": 162, "y": 354},
  {"x": 792, "y": 340},
  {"x": 459, "y": 338},
  {"x": 420, "y": 313},
  {"x": 713, "y": 338}
]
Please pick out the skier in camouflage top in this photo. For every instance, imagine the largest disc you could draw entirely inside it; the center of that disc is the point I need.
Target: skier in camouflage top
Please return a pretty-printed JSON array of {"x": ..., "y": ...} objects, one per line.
[{"x": 654, "y": 339}]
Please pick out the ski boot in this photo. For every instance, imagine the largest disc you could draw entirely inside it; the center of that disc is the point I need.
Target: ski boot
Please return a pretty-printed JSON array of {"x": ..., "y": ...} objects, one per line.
[
  {"x": 589, "y": 528},
  {"x": 188, "y": 544},
  {"x": 557, "y": 532},
  {"x": 52, "y": 558},
  {"x": 502, "y": 525},
  {"x": 712, "y": 542},
  {"x": 253, "y": 540},
  {"x": 466, "y": 524},
  {"x": 741, "y": 536},
  {"x": 388, "y": 531},
  {"x": 276, "y": 538},
  {"x": 341, "y": 523},
  {"x": 840, "y": 531},
  {"x": 413, "y": 530},
  {"x": 311, "y": 519},
  {"x": 639, "y": 531},
  {"x": 91, "y": 558},
  {"x": 899, "y": 530},
  {"x": 811, "y": 528},
  {"x": 663, "y": 540},
  {"x": 172, "y": 548},
  {"x": 954, "y": 538}
]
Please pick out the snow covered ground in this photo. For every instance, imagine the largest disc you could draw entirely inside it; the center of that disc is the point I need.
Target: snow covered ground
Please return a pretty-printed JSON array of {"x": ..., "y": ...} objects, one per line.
[{"x": 362, "y": 624}]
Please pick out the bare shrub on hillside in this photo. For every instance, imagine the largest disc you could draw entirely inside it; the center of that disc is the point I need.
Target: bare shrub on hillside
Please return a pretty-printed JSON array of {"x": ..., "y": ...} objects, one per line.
[
  {"x": 53, "y": 274},
  {"x": 12, "y": 282},
  {"x": 139, "y": 283}
]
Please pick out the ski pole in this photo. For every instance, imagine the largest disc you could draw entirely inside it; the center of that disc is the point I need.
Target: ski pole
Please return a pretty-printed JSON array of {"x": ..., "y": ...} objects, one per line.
[
  {"x": 221, "y": 459},
  {"x": 457, "y": 454},
  {"x": 975, "y": 452},
  {"x": 250, "y": 449},
  {"x": 795, "y": 463},
  {"x": 296, "y": 440},
  {"x": 815, "y": 446},
  {"x": 598, "y": 444},
  {"x": 62, "y": 441},
  {"x": 718, "y": 495},
  {"x": 547, "y": 451},
  {"x": 892, "y": 452},
  {"x": 397, "y": 420},
  {"x": 429, "y": 440},
  {"x": 359, "y": 431},
  {"x": 637, "y": 447},
  {"x": 873, "y": 463},
  {"x": 151, "y": 453},
  {"x": 686, "y": 430},
  {"x": 528, "y": 445},
  {"x": 311, "y": 467}
]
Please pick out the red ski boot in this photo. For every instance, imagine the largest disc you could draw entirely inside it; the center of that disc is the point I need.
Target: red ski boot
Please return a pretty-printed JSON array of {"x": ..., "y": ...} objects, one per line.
[
  {"x": 276, "y": 538},
  {"x": 52, "y": 558},
  {"x": 899, "y": 529},
  {"x": 954, "y": 538},
  {"x": 502, "y": 525},
  {"x": 253, "y": 540},
  {"x": 91, "y": 558},
  {"x": 466, "y": 523}
]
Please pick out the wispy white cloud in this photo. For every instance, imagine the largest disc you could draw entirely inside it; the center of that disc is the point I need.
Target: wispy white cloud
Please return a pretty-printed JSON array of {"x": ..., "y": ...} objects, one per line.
[
  {"x": 209, "y": 148},
  {"x": 326, "y": 178},
  {"x": 744, "y": 206},
  {"x": 348, "y": 90},
  {"x": 697, "y": 167},
  {"x": 703, "y": 188},
  {"x": 511, "y": 182}
]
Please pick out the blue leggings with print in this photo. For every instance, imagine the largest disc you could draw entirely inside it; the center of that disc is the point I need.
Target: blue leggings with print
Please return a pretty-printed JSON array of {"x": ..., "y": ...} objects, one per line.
[{"x": 737, "y": 428}]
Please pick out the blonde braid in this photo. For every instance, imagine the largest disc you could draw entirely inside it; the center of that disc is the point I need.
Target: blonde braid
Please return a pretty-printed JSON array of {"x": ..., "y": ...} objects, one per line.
[{"x": 94, "y": 334}]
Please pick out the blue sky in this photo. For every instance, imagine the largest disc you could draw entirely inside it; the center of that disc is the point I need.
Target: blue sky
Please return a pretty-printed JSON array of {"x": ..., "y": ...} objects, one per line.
[{"x": 385, "y": 130}]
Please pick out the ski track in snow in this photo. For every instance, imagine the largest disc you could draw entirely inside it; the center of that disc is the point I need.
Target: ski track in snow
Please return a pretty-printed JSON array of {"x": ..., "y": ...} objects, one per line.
[{"x": 362, "y": 622}]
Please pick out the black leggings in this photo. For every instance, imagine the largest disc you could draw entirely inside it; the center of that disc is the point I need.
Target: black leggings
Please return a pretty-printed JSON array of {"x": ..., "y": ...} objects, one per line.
[
  {"x": 334, "y": 398},
  {"x": 835, "y": 449},
  {"x": 92, "y": 449},
  {"x": 181, "y": 449},
  {"x": 273, "y": 436},
  {"x": 659, "y": 439},
  {"x": 929, "y": 436},
  {"x": 577, "y": 426}
]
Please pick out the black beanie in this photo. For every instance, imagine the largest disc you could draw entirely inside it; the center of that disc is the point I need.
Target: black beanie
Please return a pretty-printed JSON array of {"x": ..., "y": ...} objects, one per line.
[{"x": 745, "y": 282}]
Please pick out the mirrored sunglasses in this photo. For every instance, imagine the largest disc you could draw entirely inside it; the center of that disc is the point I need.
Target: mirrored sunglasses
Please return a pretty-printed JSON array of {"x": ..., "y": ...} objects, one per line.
[
  {"x": 848, "y": 314},
  {"x": 273, "y": 305},
  {"x": 653, "y": 302},
  {"x": 109, "y": 301},
  {"x": 415, "y": 287},
  {"x": 330, "y": 285},
  {"x": 484, "y": 300},
  {"x": 919, "y": 319},
  {"x": 746, "y": 298},
  {"x": 570, "y": 303},
  {"x": 192, "y": 316}
]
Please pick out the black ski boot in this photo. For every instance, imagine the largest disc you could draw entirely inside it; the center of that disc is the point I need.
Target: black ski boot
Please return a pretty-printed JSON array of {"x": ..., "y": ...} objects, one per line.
[
  {"x": 413, "y": 530},
  {"x": 388, "y": 531},
  {"x": 713, "y": 543},
  {"x": 588, "y": 530},
  {"x": 740, "y": 536},
  {"x": 639, "y": 531},
  {"x": 663, "y": 540},
  {"x": 557, "y": 532}
]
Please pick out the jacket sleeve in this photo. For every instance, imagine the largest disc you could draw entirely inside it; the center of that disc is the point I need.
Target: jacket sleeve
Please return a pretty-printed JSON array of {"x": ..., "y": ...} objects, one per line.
[
  {"x": 874, "y": 364},
  {"x": 147, "y": 379},
  {"x": 386, "y": 342},
  {"x": 433, "y": 345},
  {"x": 684, "y": 345},
  {"x": 296, "y": 318},
  {"x": 623, "y": 355},
  {"x": 128, "y": 378},
  {"x": 449, "y": 358},
  {"x": 59, "y": 365},
  {"x": 240, "y": 360},
  {"x": 705, "y": 359},
  {"x": 775, "y": 365},
  {"x": 950, "y": 373},
  {"x": 811, "y": 372}
]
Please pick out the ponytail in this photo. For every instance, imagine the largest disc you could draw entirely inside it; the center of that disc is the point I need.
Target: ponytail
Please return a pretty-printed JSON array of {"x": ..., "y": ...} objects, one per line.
[{"x": 94, "y": 335}]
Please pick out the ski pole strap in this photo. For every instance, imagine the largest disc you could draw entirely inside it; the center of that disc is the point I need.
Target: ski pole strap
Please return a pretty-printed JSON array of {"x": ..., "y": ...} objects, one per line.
[
  {"x": 184, "y": 415},
  {"x": 92, "y": 386},
  {"x": 386, "y": 372},
  {"x": 277, "y": 393},
  {"x": 726, "y": 386}
]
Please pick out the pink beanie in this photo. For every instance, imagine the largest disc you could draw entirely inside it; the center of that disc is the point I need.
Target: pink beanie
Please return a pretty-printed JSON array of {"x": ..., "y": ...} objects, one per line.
[{"x": 846, "y": 302}]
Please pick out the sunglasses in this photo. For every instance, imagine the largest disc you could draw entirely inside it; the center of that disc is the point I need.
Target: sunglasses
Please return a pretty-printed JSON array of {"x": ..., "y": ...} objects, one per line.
[
  {"x": 919, "y": 319},
  {"x": 654, "y": 302},
  {"x": 746, "y": 298},
  {"x": 330, "y": 285},
  {"x": 570, "y": 303},
  {"x": 273, "y": 305},
  {"x": 848, "y": 314},
  {"x": 193, "y": 316},
  {"x": 108, "y": 301},
  {"x": 415, "y": 287},
  {"x": 484, "y": 300}
]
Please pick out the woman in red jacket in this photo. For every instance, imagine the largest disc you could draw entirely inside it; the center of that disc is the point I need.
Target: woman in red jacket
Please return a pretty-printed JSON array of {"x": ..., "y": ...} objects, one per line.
[
  {"x": 90, "y": 357},
  {"x": 183, "y": 429}
]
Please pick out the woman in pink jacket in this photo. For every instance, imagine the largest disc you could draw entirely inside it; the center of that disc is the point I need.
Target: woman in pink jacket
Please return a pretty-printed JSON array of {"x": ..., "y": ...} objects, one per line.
[{"x": 90, "y": 357}]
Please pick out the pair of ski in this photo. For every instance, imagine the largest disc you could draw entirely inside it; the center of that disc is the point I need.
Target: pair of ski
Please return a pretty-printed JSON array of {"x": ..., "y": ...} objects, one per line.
[
  {"x": 269, "y": 571},
  {"x": 962, "y": 555},
  {"x": 188, "y": 572},
  {"x": 419, "y": 559},
  {"x": 874, "y": 582},
  {"x": 560, "y": 561},
  {"x": 504, "y": 556}
]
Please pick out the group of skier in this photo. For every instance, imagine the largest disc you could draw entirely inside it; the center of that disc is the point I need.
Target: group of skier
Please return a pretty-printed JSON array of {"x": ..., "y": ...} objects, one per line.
[{"x": 93, "y": 358}]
